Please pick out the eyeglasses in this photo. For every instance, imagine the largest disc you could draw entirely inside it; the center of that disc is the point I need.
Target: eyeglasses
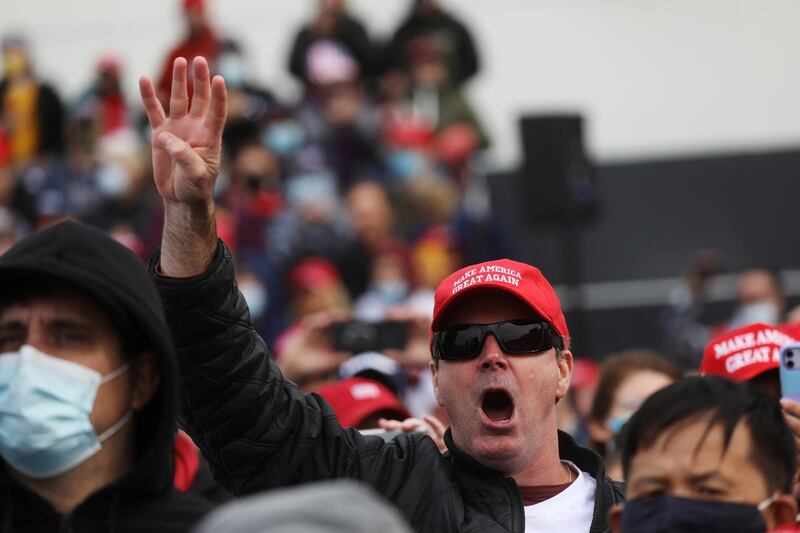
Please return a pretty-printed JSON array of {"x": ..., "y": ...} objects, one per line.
[{"x": 462, "y": 342}]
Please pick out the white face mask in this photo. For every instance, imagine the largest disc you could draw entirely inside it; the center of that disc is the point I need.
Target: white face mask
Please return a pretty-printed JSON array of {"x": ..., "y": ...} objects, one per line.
[
  {"x": 45, "y": 403},
  {"x": 765, "y": 312}
]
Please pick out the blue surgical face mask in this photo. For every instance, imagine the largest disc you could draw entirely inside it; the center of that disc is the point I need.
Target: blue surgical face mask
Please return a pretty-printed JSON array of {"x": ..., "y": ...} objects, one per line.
[
  {"x": 668, "y": 514},
  {"x": 284, "y": 138},
  {"x": 256, "y": 297},
  {"x": 391, "y": 292},
  {"x": 45, "y": 403},
  {"x": 405, "y": 164},
  {"x": 766, "y": 312},
  {"x": 617, "y": 423},
  {"x": 113, "y": 180}
]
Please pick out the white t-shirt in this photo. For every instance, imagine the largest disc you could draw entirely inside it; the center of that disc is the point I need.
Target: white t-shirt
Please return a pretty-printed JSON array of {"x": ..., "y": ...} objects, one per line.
[{"x": 569, "y": 511}]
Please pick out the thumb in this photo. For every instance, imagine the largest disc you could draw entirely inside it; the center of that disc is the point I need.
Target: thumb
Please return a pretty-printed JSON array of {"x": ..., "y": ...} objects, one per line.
[{"x": 182, "y": 153}]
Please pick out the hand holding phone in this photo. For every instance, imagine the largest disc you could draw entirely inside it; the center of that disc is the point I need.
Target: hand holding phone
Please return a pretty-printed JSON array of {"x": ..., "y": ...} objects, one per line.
[{"x": 790, "y": 372}]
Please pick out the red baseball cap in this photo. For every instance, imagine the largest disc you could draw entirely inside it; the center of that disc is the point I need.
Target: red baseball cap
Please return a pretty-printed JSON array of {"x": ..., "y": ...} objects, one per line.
[
  {"x": 518, "y": 279},
  {"x": 313, "y": 273},
  {"x": 355, "y": 399},
  {"x": 743, "y": 353}
]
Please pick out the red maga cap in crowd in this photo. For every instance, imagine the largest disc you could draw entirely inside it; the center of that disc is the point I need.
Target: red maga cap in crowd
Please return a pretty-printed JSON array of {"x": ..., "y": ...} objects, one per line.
[
  {"x": 518, "y": 279},
  {"x": 743, "y": 353},
  {"x": 198, "y": 5},
  {"x": 313, "y": 273},
  {"x": 355, "y": 399}
]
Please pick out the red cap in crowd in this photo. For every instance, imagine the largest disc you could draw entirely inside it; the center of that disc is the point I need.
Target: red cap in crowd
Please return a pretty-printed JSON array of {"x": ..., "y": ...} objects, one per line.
[
  {"x": 356, "y": 399},
  {"x": 312, "y": 273},
  {"x": 197, "y": 5},
  {"x": 518, "y": 279},
  {"x": 743, "y": 353}
]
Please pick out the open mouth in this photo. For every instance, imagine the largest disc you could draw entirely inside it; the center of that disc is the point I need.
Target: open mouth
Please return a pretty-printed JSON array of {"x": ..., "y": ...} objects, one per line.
[{"x": 497, "y": 405}]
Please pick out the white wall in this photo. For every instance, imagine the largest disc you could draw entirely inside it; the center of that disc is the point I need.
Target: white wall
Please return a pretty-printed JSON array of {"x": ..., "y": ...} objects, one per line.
[{"x": 655, "y": 77}]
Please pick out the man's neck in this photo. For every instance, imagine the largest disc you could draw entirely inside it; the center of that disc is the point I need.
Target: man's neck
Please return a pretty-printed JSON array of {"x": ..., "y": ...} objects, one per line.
[
  {"x": 546, "y": 469},
  {"x": 67, "y": 491}
]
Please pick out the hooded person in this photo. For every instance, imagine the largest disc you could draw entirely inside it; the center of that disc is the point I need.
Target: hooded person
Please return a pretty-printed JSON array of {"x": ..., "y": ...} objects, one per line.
[{"x": 88, "y": 390}]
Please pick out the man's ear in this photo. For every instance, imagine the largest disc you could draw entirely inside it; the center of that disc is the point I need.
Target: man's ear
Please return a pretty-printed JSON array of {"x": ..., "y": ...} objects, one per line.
[
  {"x": 145, "y": 379},
  {"x": 615, "y": 518},
  {"x": 783, "y": 511},
  {"x": 564, "y": 373},
  {"x": 435, "y": 374}
]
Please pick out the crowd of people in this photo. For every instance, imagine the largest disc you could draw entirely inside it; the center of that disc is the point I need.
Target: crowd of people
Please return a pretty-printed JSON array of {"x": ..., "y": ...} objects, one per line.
[{"x": 226, "y": 294}]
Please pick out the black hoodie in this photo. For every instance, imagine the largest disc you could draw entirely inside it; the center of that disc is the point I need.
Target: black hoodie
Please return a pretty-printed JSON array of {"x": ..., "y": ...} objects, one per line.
[{"x": 145, "y": 499}]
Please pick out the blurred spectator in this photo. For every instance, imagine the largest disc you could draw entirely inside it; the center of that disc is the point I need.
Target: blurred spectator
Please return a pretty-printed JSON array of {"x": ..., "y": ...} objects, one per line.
[
  {"x": 103, "y": 105},
  {"x": 760, "y": 298},
  {"x": 706, "y": 454},
  {"x": 429, "y": 205},
  {"x": 314, "y": 225},
  {"x": 316, "y": 286},
  {"x": 305, "y": 352},
  {"x": 249, "y": 106},
  {"x": 360, "y": 402},
  {"x": 31, "y": 113},
  {"x": 748, "y": 354},
  {"x": 336, "y": 115},
  {"x": 200, "y": 40},
  {"x": 439, "y": 101},
  {"x": 433, "y": 256},
  {"x": 371, "y": 213},
  {"x": 429, "y": 20},
  {"x": 626, "y": 380},
  {"x": 332, "y": 23},
  {"x": 254, "y": 196},
  {"x": 123, "y": 184},
  {"x": 390, "y": 283},
  {"x": 573, "y": 410}
]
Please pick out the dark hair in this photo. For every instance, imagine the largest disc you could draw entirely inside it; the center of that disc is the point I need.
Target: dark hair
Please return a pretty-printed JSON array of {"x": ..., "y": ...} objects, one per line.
[
  {"x": 34, "y": 286},
  {"x": 615, "y": 369},
  {"x": 726, "y": 404}
]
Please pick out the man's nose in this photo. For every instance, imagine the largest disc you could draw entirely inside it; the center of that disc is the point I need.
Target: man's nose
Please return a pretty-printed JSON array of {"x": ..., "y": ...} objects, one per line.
[{"x": 492, "y": 355}]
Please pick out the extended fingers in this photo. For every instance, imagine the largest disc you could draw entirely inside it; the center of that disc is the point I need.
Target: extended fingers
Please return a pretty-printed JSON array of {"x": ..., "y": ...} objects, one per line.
[
  {"x": 155, "y": 113},
  {"x": 179, "y": 98},
  {"x": 218, "y": 107},
  {"x": 202, "y": 87},
  {"x": 435, "y": 424}
]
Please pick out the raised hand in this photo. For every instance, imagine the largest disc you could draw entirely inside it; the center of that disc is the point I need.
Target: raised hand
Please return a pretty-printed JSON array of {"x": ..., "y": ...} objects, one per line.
[
  {"x": 187, "y": 145},
  {"x": 187, "y": 148}
]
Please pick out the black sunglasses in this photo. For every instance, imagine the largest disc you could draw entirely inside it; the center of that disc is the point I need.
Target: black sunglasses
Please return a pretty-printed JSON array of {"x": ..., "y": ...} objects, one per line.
[{"x": 458, "y": 343}]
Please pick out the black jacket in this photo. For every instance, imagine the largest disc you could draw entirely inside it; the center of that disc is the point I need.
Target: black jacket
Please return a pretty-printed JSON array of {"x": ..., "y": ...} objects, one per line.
[
  {"x": 259, "y": 431},
  {"x": 144, "y": 500}
]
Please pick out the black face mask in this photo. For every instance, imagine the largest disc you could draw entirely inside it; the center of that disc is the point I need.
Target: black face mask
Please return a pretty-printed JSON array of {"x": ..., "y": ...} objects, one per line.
[{"x": 667, "y": 514}]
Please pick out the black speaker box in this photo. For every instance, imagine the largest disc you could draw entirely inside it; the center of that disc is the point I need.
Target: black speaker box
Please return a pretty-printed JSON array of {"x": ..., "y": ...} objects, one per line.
[{"x": 557, "y": 179}]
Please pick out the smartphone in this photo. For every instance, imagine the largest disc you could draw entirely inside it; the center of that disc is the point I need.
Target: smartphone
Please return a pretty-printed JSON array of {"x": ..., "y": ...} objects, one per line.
[
  {"x": 359, "y": 337},
  {"x": 790, "y": 372}
]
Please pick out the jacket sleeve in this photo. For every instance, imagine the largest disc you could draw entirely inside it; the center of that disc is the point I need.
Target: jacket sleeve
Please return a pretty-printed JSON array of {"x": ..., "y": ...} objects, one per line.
[{"x": 256, "y": 428}]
